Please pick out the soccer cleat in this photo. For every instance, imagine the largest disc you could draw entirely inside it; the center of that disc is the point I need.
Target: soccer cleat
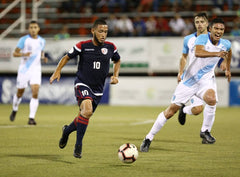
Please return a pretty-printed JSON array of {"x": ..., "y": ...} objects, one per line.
[
  {"x": 181, "y": 116},
  {"x": 64, "y": 139},
  {"x": 207, "y": 138},
  {"x": 13, "y": 115},
  {"x": 31, "y": 121},
  {"x": 78, "y": 151},
  {"x": 145, "y": 145}
]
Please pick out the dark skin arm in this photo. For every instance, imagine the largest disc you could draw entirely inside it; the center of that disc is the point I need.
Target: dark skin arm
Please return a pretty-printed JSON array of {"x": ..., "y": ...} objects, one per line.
[
  {"x": 17, "y": 53},
  {"x": 116, "y": 68},
  {"x": 201, "y": 52},
  {"x": 57, "y": 72},
  {"x": 182, "y": 65}
]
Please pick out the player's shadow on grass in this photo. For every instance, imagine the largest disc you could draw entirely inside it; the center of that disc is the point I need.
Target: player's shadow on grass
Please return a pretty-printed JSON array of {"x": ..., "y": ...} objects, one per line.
[{"x": 54, "y": 158}]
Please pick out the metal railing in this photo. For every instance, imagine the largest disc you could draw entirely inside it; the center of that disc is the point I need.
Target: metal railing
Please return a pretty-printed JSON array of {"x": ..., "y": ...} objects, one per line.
[{"x": 22, "y": 19}]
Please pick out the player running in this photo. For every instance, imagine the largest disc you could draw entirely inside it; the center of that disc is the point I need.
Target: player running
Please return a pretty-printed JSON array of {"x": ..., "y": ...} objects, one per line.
[
  {"x": 196, "y": 106},
  {"x": 30, "y": 48},
  {"x": 93, "y": 68},
  {"x": 198, "y": 79}
]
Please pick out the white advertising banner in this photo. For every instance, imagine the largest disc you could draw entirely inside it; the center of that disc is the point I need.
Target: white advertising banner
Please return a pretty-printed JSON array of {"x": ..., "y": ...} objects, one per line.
[
  {"x": 158, "y": 54},
  {"x": 166, "y": 53},
  {"x": 143, "y": 54},
  {"x": 154, "y": 91}
]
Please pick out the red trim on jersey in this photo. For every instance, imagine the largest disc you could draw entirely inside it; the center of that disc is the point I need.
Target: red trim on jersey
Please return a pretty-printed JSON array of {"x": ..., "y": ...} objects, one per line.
[
  {"x": 79, "y": 45},
  {"x": 107, "y": 42}
]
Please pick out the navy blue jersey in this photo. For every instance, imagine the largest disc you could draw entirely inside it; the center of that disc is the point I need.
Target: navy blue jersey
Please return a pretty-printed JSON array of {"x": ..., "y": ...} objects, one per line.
[{"x": 94, "y": 62}]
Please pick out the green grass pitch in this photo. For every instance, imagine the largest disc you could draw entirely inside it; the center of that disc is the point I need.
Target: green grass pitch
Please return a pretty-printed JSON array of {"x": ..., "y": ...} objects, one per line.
[{"x": 176, "y": 151}]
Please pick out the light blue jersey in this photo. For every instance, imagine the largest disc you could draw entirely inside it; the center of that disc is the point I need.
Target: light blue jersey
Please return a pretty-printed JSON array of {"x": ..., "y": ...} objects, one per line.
[
  {"x": 201, "y": 68},
  {"x": 35, "y": 47},
  {"x": 188, "y": 46}
]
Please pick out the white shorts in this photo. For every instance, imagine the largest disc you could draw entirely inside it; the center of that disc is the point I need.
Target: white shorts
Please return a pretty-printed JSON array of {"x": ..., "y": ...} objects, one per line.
[
  {"x": 183, "y": 93},
  {"x": 23, "y": 79},
  {"x": 195, "y": 101}
]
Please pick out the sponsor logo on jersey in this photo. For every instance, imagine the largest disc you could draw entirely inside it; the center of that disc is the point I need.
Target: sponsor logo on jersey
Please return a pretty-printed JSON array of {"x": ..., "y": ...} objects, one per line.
[
  {"x": 89, "y": 49},
  {"x": 104, "y": 51}
]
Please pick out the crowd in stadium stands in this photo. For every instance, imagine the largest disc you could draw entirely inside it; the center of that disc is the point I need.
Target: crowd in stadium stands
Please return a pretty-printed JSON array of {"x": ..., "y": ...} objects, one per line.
[
  {"x": 236, "y": 29},
  {"x": 152, "y": 26},
  {"x": 124, "y": 5},
  {"x": 116, "y": 13},
  {"x": 122, "y": 25}
]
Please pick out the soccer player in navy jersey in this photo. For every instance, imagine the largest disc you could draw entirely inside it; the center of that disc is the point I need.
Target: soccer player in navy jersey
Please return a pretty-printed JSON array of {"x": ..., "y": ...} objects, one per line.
[{"x": 93, "y": 69}]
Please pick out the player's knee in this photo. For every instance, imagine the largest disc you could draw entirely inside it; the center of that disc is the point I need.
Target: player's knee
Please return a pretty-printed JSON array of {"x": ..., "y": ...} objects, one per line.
[
  {"x": 87, "y": 113},
  {"x": 197, "y": 110},
  {"x": 35, "y": 95},
  {"x": 209, "y": 97},
  {"x": 20, "y": 93},
  {"x": 170, "y": 111},
  {"x": 211, "y": 101}
]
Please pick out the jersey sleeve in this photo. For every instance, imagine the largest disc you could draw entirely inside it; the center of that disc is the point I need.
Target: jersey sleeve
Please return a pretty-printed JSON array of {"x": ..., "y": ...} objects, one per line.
[
  {"x": 116, "y": 55},
  {"x": 43, "y": 43},
  {"x": 227, "y": 44},
  {"x": 21, "y": 42},
  {"x": 75, "y": 50},
  {"x": 201, "y": 39},
  {"x": 185, "y": 45}
]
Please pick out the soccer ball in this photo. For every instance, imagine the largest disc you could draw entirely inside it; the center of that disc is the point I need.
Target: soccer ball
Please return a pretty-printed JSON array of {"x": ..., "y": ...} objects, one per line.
[{"x": 128, "y": 153}]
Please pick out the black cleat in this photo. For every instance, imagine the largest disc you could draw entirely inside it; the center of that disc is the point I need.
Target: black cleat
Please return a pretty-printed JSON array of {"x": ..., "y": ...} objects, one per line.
[
  {"x": 78, "y": 151},
  {"x": 181, "y": 116},
  {"x": 145, "y": 145},
  {"x": 207, "y": 138},
  {"x": 31, "y": 121},
  {"x": 64, "y": 139},
  {"x": 13, "y": 115}
]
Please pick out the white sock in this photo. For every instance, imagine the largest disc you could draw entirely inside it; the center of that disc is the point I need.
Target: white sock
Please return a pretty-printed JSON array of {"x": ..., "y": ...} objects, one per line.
[
  {"x": 16, "y": 102},
  {"x": 208, "y": 117},
  {"x": 33, "y": 107},
  {"x": 188, "y": 109},
  {"x": 158, "y": 124}
]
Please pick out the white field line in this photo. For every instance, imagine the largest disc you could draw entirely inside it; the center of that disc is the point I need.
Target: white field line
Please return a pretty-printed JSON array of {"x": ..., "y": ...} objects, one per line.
[
  {"x": 23, "y": 126},
  {"x": 143, "y": 122},
  {"x": 111, "y": 124}
]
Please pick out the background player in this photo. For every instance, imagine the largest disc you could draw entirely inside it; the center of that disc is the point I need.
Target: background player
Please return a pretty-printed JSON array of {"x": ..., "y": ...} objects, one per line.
[
  {"x": 199, "y": 79},
  {"x": 196, "y": 106},
  {"x": 93, "y": 68},
  {"x": 30, "y": 48}
]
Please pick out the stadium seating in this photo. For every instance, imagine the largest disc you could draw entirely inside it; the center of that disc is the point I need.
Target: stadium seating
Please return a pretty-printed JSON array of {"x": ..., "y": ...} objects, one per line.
[{"x": 51, "y": 18}]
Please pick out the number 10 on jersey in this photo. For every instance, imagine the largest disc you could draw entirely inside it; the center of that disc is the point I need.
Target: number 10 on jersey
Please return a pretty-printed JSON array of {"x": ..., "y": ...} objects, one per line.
[{"x": 96, "y": 65}]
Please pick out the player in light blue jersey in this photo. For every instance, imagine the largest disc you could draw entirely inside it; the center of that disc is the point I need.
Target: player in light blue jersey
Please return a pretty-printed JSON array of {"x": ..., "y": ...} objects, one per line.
[
  {"x": 199, "y": 80},
  {"x": 196, "y": 104},
  {"x": 30, "y": 48}
]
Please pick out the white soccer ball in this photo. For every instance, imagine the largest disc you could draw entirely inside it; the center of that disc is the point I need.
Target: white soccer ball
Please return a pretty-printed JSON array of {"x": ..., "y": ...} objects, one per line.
[{"x": 128, "y": 153}]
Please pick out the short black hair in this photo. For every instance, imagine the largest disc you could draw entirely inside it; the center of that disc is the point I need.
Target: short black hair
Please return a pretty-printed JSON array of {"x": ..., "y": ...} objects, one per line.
[
  {"x": 202, "y": 14},
  {"x": 217, "y": 20},
  {"x": 99, "y": 21},
  {"x": 33, "y": 22}
]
